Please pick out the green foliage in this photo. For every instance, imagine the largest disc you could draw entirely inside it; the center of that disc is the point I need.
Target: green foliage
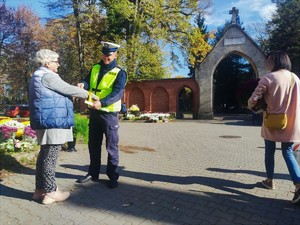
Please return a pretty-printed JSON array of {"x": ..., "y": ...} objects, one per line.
[
  {"x": 81, "y": 128},
  {"x": 221, "y": 30},
  {"x": 63, "y": 35},
  {"x": 76, "y": 28},
  {"x": 149, "y": 63},
  {"x": 140, "y": 25},
  {"x": 199, "y": 45},
  {"x": 92, "y": 32},
  {"x": 284, "y": 30},
  {"x": 200, "y": 21}
]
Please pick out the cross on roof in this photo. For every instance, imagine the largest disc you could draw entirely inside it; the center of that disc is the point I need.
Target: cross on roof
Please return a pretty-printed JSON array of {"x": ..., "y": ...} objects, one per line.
[{"x": 234, "y": 13}]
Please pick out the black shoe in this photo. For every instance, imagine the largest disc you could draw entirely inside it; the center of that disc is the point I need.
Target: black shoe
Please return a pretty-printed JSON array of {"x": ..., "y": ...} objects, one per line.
[
  {"x": 85, "y": 179},
  {"x": 71, "y": 150},
  {"x": 113, "y": 184}
]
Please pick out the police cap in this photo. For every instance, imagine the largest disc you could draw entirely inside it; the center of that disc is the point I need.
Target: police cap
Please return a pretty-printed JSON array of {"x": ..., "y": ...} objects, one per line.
[{"x": 109, "y": 47}]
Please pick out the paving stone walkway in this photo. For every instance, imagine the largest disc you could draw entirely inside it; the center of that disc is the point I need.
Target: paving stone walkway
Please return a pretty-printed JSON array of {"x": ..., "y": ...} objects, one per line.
[{"x": 182, "y": 172}]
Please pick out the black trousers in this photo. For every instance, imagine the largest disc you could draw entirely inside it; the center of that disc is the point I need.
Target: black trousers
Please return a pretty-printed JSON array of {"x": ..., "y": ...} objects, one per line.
[{"x": 102, "y": 123}]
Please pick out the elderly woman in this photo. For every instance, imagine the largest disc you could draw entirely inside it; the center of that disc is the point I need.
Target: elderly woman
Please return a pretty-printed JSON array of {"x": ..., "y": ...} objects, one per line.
[
  {"x": 275, "y": 87},
  {"x": 52, "y": 117}
]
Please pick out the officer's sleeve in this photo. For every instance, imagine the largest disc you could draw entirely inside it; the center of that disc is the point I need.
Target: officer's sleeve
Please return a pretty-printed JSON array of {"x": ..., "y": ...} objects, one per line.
[
  {"x": 118, "y": 90},
  {"x": 86, "y": 80}
]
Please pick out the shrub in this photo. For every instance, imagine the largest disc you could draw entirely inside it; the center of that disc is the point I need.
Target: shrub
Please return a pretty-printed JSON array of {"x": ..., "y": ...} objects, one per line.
[{"x": 81, "y": 128}]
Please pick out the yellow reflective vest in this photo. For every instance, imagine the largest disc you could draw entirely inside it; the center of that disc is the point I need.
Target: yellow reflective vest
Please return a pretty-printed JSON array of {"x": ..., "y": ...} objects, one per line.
[{"x": 105, "y": 86}]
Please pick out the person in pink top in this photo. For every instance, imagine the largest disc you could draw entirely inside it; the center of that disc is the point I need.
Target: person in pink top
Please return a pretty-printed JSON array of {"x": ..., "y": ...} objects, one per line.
[{"x": 274, "y": 87}]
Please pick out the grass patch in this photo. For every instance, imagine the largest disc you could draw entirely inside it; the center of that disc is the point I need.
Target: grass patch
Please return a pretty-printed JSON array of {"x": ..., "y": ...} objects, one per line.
[{"x": 81, "y": 128}]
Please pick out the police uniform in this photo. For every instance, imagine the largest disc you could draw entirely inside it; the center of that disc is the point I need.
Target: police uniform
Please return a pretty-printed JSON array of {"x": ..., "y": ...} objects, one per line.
[{"x": 108, "y": 83}]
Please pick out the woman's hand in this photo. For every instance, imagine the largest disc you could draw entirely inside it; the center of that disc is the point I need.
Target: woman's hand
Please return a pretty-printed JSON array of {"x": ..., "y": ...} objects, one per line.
[
  {"x": 252, "y": 102},
  {"x": 259, "y": 92},
  {"x": 81, "y": 85}
]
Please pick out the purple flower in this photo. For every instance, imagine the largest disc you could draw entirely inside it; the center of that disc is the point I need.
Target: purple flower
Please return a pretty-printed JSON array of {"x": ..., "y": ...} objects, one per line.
[
  {"x": 29, "y": 132},
  {"x": 7, "y": 132},
  {"x": 5, "y": 129},
  {"x": 14, "y": 129}
]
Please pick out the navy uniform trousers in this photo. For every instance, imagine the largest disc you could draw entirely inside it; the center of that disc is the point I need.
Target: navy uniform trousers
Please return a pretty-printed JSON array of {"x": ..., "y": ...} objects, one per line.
[{"x": 100, "y": 124}]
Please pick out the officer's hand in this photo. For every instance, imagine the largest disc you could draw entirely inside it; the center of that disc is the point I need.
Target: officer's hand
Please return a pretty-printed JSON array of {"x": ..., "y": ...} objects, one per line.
[
  {"x": 97, "y": 105},
  {"x": 81, "y": 85},
  {"x": 95, "y": 98}
]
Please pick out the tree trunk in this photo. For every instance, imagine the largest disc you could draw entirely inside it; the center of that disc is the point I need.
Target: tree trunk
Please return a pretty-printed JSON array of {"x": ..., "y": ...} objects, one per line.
[{"x": 79, "y": 39}]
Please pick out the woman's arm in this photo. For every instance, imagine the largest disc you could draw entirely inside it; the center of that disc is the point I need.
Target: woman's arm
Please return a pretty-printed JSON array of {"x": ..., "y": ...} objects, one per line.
[
  {"x": 258, "y": 93},
  {"x": 55, "y": 83}
]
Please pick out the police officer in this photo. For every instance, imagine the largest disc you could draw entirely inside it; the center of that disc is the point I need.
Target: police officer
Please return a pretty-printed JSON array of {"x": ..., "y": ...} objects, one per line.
[{"x": 106, "y": 80}]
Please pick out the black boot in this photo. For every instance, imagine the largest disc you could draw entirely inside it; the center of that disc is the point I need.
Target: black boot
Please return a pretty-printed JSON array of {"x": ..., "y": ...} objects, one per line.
[{"x": 71, "y": 146}]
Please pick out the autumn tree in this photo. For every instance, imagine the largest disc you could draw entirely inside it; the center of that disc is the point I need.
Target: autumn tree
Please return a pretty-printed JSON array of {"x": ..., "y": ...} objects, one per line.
[
  {"x": 92, "y": 34},
  {"x": 135, "y": 23},
  {"x": 199, "y": 47},
  {"x": 28, "y": 36},
  {"x": 7, "y": 28},
  {"x": 147, "y": 40},
  {"x": 83, "y": 11},
  {"x": 63, "y": 41}
]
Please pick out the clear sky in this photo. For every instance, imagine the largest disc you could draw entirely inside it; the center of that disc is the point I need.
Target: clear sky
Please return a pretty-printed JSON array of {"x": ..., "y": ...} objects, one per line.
[{"x": 250, "y": 12}]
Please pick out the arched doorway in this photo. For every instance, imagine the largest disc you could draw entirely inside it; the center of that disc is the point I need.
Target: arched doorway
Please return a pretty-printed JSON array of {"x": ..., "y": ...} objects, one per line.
[
  {"x": 185, "y": 104},
  {"x": 235, "y": 40},
  {"x": 230, "y": 76}
]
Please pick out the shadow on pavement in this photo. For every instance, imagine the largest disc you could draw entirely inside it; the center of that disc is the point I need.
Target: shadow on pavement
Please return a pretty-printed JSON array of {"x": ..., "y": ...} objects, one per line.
[
  {"x": 170, "y": 204},
  {"x": 14, "y": 193},
  {"x": 252, "y": 172},
  {"x": 9, "y": 163},
  {"x": 231, "y": 203},
  {"x": 238, "y": 119}
]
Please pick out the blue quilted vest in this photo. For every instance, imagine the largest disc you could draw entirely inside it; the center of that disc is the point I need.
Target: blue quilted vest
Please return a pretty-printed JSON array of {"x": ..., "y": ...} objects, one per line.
[{"x": 48, "y": 109}]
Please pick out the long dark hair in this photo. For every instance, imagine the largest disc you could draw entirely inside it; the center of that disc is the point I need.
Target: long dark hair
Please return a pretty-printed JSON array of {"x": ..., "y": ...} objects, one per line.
[{"x": 281, "y": 60}]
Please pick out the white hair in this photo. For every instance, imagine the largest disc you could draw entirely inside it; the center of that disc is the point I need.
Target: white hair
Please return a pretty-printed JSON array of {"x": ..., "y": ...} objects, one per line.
[{"x": 44, "y": 56}]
